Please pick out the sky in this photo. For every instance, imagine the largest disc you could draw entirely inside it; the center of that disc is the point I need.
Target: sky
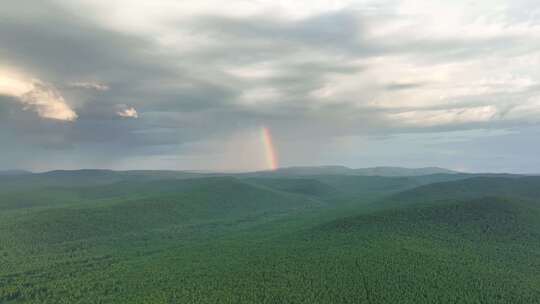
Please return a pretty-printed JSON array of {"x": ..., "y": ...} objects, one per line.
[{"x": 201, "y": 85}]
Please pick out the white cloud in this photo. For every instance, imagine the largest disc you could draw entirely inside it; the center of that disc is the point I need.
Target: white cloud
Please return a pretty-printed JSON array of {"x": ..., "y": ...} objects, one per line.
[
  {"x": 12, "y": 84},
  {"x": 90, "y": 85},
  {"x": 127, "y": 112},
  {"x": 430, "y": 118},
  {"x": 48, "y": 103},
  {"x": 452, "y": 53},
  {"x": 260, "y": 95},
  {"x": 259, "y": 71},
  {"x": 36, "y": 95}
]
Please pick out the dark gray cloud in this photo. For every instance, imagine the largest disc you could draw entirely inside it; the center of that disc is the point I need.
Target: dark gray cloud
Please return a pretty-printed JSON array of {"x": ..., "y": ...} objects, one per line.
[
  {"x": 403, "y": 86},
  {"x": 337, "y": 32}
]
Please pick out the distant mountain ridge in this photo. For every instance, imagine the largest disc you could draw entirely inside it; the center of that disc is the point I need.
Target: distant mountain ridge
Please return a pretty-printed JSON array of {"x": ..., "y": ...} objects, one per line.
[
  {"x": 382, "y": 171},
  {"x": 13, "y": 172},
  {"x": 399, "y": 171},
  {"x": 372, "y": 171}
]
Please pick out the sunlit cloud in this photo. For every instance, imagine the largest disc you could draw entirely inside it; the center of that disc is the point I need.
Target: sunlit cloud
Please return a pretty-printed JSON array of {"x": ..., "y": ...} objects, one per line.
[
  {"x": 127, "y": 112},
  {"x": 37, "y": 96},
  {"x": 48, "y": 103},
  {"x": 12, "y": 84}
]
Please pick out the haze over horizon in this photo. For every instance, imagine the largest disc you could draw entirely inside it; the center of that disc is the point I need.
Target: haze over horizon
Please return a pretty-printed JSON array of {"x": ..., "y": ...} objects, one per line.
[
  {"x": 255, "y": 85},
  {"x": 386, "y": 171}
]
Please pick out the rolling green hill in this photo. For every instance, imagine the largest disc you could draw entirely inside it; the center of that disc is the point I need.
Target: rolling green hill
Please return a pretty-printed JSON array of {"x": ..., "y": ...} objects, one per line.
[
  {"x": 470, "y": 188},
  {"x": 356, "y": 190},
  {"x": 311, "y": 187},
  {"x": 179, "y": 237},
  {"x": 125, "y": 207},
  {"x": 483, "y": 250}
]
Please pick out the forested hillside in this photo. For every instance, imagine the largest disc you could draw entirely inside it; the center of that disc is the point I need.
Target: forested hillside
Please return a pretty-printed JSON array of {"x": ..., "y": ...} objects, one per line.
[{"x": 178, "y": 237}]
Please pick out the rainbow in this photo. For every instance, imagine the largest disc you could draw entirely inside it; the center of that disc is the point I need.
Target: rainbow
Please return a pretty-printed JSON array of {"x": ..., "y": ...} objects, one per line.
[{"x": 270, "y": 151}]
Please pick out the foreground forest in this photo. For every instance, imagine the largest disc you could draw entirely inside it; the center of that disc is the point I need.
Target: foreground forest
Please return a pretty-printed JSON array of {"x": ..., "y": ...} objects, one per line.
[{"x": 291, "y": 236}]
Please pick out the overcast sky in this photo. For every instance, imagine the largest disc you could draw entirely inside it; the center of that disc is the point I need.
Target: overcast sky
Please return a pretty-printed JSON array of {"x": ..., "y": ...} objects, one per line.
[{"x": 166, "y": 84}]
